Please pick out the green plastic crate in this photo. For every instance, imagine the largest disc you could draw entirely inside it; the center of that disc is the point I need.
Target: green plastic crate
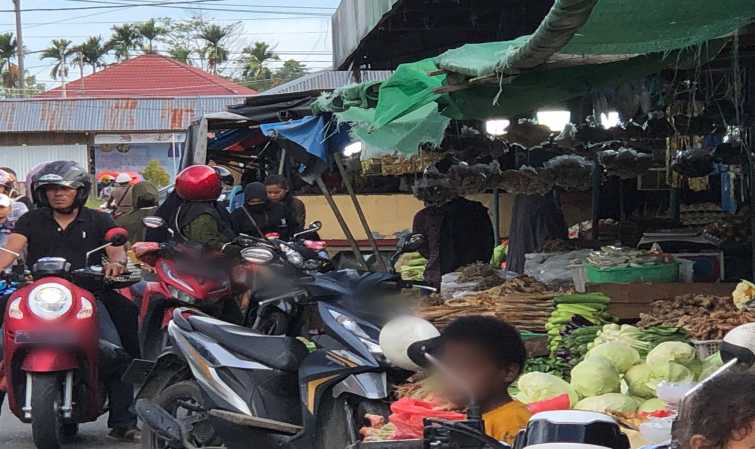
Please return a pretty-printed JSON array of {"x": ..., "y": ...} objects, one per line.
[{"x": 627, "y": 275}]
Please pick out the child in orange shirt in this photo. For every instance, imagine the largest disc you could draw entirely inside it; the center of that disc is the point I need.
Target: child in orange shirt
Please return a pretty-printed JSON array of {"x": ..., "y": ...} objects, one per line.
[{"x": 488, "y": 355}]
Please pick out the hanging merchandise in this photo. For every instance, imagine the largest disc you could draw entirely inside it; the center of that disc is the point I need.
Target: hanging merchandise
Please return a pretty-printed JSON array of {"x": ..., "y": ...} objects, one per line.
[
  {"x": 570, "y": 172},
  {"x": 471, "y": 179},
  {"x": 693, "y": 163},
  {"x": 434, "y": 190},
  {"x": 658, "y": 126},
  {"x": 626, "y": 163},
  {"x": 527, "y": 132},
  {"x": 525, "y": 181}
]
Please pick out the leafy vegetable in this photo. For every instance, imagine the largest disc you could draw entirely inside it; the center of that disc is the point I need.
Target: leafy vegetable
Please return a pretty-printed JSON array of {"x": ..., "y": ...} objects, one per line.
[
  {"x": 535, "y": 387},
  {"x": 652, "y": 405},
  {"x": 613, "y": 402},
  {"x": 710, "y": 365},
  {"x": 670, "y": 372},
  {"x": 671, "y": 351},
  {"x": 621, "y": 355},
  {"x": 595, "y": 376},
  {"x": 638, "y": 378}
]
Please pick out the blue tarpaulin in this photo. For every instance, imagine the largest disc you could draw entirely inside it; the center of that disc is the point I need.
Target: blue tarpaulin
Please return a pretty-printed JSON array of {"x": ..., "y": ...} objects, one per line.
[{"x": 317, "y": 135}]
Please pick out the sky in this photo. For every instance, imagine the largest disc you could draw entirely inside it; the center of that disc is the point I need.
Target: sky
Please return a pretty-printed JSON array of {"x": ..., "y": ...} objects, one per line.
[{"x": 297, "y": 29}]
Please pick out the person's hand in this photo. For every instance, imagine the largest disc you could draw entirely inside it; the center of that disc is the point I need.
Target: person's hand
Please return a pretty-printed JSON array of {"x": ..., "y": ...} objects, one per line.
[{"x": 114, "y": 269}]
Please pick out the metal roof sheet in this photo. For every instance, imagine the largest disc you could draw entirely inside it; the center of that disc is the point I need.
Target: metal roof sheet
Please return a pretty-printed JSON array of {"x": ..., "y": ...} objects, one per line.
[
  {"x": 327, "y": 80},
  {"x": 108, "y": 114}
]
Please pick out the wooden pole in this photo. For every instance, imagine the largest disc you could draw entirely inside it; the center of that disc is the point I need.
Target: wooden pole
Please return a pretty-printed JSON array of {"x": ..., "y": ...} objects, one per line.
[
  {"x": 595, "y": 199},
  {"x": 497, "y": 216},
  {"x": 342, "y": 223},
  {"x": 341, "y": 169}
]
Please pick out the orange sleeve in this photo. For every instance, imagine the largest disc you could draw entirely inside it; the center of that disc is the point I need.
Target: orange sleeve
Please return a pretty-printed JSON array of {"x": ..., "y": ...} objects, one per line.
[{"x": 505, "y": 422}]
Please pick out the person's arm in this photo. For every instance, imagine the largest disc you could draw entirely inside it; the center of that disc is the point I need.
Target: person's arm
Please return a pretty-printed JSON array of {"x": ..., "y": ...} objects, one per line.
[
  {"x": 300, "y": 212},
  {"x": 419, "y": 226},
  {"x": 15, "y": 243},
  {"x": 117, "y": 261}
]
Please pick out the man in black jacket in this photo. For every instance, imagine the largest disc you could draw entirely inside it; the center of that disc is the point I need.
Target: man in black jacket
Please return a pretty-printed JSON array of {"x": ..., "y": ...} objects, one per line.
[{"x": 259, "y": 216}]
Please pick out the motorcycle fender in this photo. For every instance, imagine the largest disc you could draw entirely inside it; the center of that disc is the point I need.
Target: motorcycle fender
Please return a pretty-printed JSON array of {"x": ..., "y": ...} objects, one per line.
[
  {"x": 169, "y": 368},
  {"x": 365, "y": 385},
  {"x": 48, "y": 361}
]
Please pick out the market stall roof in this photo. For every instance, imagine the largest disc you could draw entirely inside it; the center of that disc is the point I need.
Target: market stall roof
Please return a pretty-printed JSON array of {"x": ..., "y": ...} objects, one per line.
[
  {"x": 274, "y": 108},
  {"x": 327, "y": 80},
  {"x": 636, "y": 37}
]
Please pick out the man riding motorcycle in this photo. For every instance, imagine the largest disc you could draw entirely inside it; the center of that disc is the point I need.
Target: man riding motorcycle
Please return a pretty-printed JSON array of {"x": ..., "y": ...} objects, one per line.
[{"x": 61, "y": 226}]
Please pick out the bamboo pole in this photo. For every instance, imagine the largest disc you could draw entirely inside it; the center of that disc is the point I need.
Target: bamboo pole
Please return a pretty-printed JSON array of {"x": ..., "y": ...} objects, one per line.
[{"x": 342, "y": 223}]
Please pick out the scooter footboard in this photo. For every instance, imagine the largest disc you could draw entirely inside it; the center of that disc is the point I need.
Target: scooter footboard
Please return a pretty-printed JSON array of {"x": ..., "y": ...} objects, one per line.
[{"x": 45, "y": 360}]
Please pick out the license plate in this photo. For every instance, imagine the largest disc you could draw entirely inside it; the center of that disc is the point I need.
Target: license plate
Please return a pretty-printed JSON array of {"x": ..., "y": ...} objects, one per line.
[{"x": 43, "y": 338}]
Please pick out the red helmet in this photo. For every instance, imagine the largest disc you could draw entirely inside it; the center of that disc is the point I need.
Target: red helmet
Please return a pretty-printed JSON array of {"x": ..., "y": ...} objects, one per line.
[{"x": 198, "y": 183}]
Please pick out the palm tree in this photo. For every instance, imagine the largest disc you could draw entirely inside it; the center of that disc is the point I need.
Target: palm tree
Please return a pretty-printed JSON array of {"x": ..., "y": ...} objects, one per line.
[
  {"x": 150, "y": 31},
  {"x": 7, "y": 52},
  {"x": 60, "y": 50},
  {"x": 94, "y": 52},
  {"x": 78, "y": 58},
  {"x": 214, "y": 51},
  {"x": 125, "y": 38},
  {"x": 255, "y": 60}
]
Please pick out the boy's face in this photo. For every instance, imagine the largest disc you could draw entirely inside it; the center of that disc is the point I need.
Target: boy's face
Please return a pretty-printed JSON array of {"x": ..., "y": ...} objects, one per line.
[
  {"x": 477, "y": 369},
  {"x": 276, "y": 193}
]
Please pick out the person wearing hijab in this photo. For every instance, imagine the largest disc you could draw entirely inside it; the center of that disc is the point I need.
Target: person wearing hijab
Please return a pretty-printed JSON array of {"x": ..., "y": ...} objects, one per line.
[
  {"x": 260, "y": 216},
  {"x": 144, "y": 198}
]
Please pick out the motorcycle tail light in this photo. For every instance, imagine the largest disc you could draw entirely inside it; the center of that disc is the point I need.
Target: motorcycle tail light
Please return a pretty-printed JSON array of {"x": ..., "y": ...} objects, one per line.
[
  {"x": 14, "y": 310},
  {"x": 86, "y": 310}
]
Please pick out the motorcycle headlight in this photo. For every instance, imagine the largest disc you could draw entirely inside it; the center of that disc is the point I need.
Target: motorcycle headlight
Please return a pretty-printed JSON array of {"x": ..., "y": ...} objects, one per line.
[
  {"x": 50, "y": 301},
  {"x": 352, "y": 326},
  {"x": 181, "y": 296}
]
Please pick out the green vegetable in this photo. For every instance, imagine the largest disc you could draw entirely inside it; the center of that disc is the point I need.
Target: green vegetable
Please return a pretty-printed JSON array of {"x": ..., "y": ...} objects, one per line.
[
  {"x": 671, "y": 351},
  {"x": 652, "y": 405},
  {"x": 670, "y": 372},
  {"x": 638, "y": 379},
  {"x": 595, "y": 376},
  {"x": 593, "y": 298},
  {"x": 535, "y": 387},
  {"x": 609, "y": 402},
  {"x": 621, "y": 355},
  {"x": 710, "y": 365}
]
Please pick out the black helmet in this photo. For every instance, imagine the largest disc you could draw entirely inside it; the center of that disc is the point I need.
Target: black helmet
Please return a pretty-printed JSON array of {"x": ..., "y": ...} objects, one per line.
[{"x": 62, "y": 173}]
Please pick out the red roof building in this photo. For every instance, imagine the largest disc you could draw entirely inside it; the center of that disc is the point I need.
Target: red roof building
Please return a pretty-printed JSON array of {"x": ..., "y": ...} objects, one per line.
[{"x": 148, "y": 75}]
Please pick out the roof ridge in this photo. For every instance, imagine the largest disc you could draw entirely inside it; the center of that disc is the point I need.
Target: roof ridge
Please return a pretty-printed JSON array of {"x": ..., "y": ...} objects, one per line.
[{"x": 206, "y": 75}]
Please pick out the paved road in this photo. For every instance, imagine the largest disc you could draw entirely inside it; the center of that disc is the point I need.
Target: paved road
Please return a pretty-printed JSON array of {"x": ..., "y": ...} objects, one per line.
[{"x": 16, "y": 435}]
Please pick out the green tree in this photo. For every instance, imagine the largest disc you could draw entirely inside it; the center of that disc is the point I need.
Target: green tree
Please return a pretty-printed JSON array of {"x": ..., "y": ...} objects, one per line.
[
  {"x": 150, "y": 31},
  {"x": 7, "y": 54},
  {"x": 290, "y": 70},
  {"x": 180, "y": 54},
  {"x": 59, "y": 50},
  {"x": 181, "y": 38},
  {"x": 94, "y": 51},
  {"x": 154, "y": 172},
  {"x": 255, "y": 60},
  {"x": 215, "y": 50},
  {"x": 124, "y": 39}
]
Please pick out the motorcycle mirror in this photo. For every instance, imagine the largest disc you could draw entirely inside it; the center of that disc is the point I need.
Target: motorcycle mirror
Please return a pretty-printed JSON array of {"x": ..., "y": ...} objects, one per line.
[
  {"x": 411, "y": 243},
  {"x": 406, "y": 340},
  {"x": 116, "y": 236},
  {"x": 315, "y": 225},
  {"x": 257, "y": 255},
  {"x": 153, "y": 222}
]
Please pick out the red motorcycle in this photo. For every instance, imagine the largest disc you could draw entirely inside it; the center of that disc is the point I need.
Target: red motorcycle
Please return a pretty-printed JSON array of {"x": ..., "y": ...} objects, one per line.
[
  {"x": 184, "y": 276},
  {"x": 52, "y": 347}
]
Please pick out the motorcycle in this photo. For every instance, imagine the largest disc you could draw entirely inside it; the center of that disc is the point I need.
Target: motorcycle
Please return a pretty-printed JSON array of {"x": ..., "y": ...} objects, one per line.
[
  {"x": 183, "y": 277},
  {"x": 52, "y": 347}
]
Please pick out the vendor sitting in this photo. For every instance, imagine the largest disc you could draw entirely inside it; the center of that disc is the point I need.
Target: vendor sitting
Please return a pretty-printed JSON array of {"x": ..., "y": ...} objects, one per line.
[
  {"x": 719, "y": 416},
  {"x": 489, "y": 355}
]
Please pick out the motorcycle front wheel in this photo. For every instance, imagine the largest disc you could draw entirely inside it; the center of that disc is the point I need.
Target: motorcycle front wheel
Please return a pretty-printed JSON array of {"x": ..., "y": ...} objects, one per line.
[
  {"x": 182, "y": 400},
  {"x": 45, "y": 402}
]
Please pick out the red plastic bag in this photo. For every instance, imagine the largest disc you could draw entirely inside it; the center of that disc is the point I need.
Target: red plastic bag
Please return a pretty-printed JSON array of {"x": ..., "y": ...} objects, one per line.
[
  {"x": 561, "y": 402},
  {"x": 409, "y": 414}
]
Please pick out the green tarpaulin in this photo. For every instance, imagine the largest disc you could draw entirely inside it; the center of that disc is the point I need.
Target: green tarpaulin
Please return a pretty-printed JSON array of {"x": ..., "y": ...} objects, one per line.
[{"x": 651, "y": 28}]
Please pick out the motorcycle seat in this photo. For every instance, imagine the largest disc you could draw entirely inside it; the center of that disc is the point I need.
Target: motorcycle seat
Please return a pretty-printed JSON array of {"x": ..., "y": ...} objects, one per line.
[{"x": 279, "y": 352}]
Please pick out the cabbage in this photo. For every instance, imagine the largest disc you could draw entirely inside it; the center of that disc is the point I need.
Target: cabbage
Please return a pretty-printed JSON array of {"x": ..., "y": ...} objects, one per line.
[
  {"x": 652, "y": 405},
  {"x": 595, "y": 376},
  {"x": 638, "y": 378},
  {"x": 671, "y": 351},
  {"x": 710, "y": 365},
  {"x": 536, "y": 387},
  {"x": 696, "y": 367},
  {"x": 621, "y": 355},
  {"x": 670, "y": 372},
  {"x": 609, "y": 402}
]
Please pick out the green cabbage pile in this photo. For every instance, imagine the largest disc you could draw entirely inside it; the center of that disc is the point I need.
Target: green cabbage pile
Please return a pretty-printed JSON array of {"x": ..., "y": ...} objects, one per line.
[
  {"x": 621, "y": 355},
  {"x": 536, "y": 387},
  {"x": 595, "y": 376},
  {"x": 609, "y": 402}
]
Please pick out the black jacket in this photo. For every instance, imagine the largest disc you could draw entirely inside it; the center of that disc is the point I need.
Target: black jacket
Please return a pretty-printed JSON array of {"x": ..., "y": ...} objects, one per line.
[
  {"x": 270, "y": 217},
  {"x": 457, "y": 233}
]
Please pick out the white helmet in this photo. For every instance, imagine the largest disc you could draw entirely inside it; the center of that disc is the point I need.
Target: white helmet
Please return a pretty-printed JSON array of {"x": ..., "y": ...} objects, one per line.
[
  {"x": 122, "y": 178},
  {"x": 399, "y": 334}
]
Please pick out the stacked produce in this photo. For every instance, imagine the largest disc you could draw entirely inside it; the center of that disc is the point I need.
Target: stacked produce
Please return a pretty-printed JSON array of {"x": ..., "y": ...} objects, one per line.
[
  {"x": 619, "y": 257},
  {"x": 570, "y": 172},
  {"x": 626, "y": 163},
  {"x": 642, "y": 340},
  {"x": 589, "y": 306},
  {"x": 729, "y": 228},
  {"x": 686, "y": 312},
  {"x": 522, "y": 301},
  {"x": 744, "y": 296},
  {"x": 576, "y": 338},
  {"x": 411, "y": 266},
  {"x": 483, "y": 275}
]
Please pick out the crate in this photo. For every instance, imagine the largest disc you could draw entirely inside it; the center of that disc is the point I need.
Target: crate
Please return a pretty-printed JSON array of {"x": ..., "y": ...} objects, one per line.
[
  {"x": 668, "y": 272},
  {"x": 706, "y": 348}
]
